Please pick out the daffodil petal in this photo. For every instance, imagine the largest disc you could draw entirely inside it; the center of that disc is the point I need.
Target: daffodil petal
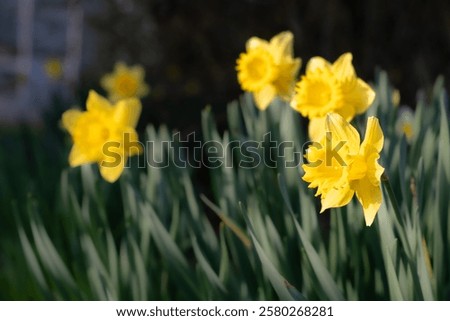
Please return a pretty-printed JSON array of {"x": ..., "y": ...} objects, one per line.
[
  {"x": 111, "y": 174},
  {"x": 264, "y": 97},
  {"x": 69, "y": 119},
  {"x": 370, "y": 198},
  {"x": 281, "y": 46},
  {"x": 127, "y": 112},
  {"x": 120, "y": 67},
  {"x": 97, "y": 103},
  {"x": 336, "y": 198},
  {"x": 285, "y": 82},
  {"x": 107, "y": 82},
  {"x": 361, "y": 97},
  {"x": 347, "y": 112},
  {"x": 374, "y": 135},
  {"x": 374, "y": 170},
  {"x": 255, "y": 42},
  {"x": 317, "y": 63},
  {"x": 112, "y": 167},
  {"x": 296, "y": 64},
  {"x": 138, "y": 72},
  {"x": 131, "y": 144},
  {"x": 316, "y": 128},
  {"x": 143, "y": 90},
  {"x": 343, "y": 68},
  {"x": 341, "y": 130}
]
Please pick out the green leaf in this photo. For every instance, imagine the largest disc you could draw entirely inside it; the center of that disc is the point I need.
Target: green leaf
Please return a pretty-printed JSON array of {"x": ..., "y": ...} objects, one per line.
[
  {"x": 49, "y": 256},
  {"x": 323, "y": 276},
  {"x": 206, "y": 267},
  {"x": 170, "y": 250},
  {"x": 389, "y": 251},
  {"x": 443, "y": 166},
  {"x": 32, "y": 260},
  {"x": 228, "y": 222},
  {"x": 278, "y": 282}
]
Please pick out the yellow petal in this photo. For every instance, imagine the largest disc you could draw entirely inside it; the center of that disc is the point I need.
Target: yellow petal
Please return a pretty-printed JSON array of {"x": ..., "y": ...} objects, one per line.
[
  {"x": 347, "y": 111},
  {"x": 111, "y": 174},
  {"x": 97, "y": 103},
  {"x": 374, "y": 170},
  {"x": 112, "y": 165},
  {"x": 336, "y": 198},
  {"x": 77, "y": 157},
  {"x": 131, "y": 145},
  {"x": 341, "y": 130},
  {"x": 317, "y": 63},
  {"x": 316, "y": 128},
  {"x": 361, "y": 96},
  {"x": 143, "y": 90},
  {"x": 138, "y": 72},
  {"x": 281, "y": 46},
  {"x": 107, "y": 82},
  {"x": 120, "y": 67},
  {"x": 264, "y": 97},
  {"x": 296, "y": 66},
  {"x": 320, "y": 172},
  {"x": 370, "y": 198},
  {"x": 69, "y": 119},
  {"x": 127, "y": 112},
  {"x": 374, "y": 135},
  {"x": 285, "y": 82},
  {"x": 255, "y": 42},
  {"x": 343, "y": 68}
]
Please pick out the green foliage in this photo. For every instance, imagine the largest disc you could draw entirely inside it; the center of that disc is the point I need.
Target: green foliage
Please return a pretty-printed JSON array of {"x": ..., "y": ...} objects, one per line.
[{"x": 254, "y": 233}]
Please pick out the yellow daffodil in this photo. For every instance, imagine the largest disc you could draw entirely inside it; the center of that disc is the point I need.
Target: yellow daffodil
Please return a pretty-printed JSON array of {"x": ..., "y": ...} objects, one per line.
[
  {"x": 53, "y": 68},
  {"x": 327, "y": 88},
  {"x": 339, "y": 166},
  {"x": 268, "y": 69},
  {"x": 125, "y": 82},
  {"x": 405, "y": 123},
  {"x": 104, "y": 134},
  {"x": 395, "y": 97}
]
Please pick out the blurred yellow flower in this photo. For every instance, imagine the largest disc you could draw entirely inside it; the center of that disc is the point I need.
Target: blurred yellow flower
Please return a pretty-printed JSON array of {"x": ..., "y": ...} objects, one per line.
[
  {"x": 339, "y": 166},
  {"x": 405, "y": 123},
  {"x": 104, "y": 134},
  {"x": 395, "y": 97},
  {"x": 53, "y": 68},
  {"x": 329, "y": 88},
  {"x": 125, "y": 82},
  {"x": 268, "y": 69}
]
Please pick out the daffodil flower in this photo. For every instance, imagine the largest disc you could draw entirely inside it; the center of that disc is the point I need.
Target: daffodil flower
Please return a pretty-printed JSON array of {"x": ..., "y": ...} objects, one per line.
[
  {"x": 339, "y": 166},
  {"x": 53, "y": 68},
  {"x": 327, "y": 88},
  {"x": 395, "y": 97},
  {"x": 125, "y": 82},
  {"x": 104, "y": 134},
  {"x": 405, "y": 123},
  {"x": 268, "y": 69}
]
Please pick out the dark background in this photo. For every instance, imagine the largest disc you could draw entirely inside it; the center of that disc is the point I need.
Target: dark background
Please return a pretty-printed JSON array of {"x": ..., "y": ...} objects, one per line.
[{"x": 189, "y": 47}]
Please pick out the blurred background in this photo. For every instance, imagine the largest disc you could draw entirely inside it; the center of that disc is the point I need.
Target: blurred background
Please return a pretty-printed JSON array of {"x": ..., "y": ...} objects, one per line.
[{"x": 53, "y": 51}]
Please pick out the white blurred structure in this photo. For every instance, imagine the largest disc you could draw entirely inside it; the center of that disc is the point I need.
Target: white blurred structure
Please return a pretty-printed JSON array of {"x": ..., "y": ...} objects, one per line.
[{"x": 31, "y": 33}]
